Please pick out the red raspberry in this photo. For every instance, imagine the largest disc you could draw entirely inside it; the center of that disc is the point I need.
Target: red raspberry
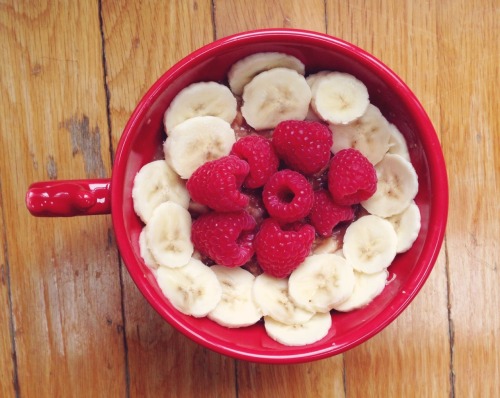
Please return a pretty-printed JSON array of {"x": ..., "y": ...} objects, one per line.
[
  {"x": 287, "y": 196},
  {"x": 303, "y": 145},
  {"x": 261, "y": 157},
  {"x": 326, "y": 214},
  {"x": 225, "y": 237},
  {"x": 351, "y": 178},
  {"x": 217, "y": 183},
  {"x": 280, "y": 250}
]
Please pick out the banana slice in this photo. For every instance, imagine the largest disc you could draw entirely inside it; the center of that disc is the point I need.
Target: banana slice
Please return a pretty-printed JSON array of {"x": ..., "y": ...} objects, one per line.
[
  {"x": 320, "y": 282},
  {"x": 168, "y": 234},
  {"x": 329, "y": 244},
  {"x": 201, "y": 99},
  {"x": 274, "y": 96},
  {"x": 243, "y": 71},
  {"x": 313, "y": 78},
  {"x": 145, "y": 252},
  {"x": 337, "y": 97},
  {"x": 156, "y": 183},
  {"x": 192, "y": 289},
  {"x": 407, "y": 226},
  {"x": 308, "y": 332},
  {"x": 370, "y": 244},
  {"x": 397, "y": 143},
  {"x": 237, "y": 307},
  {"x": 196, "y": 141},
  {"x": 366, "y": 288},
  {"x": 369, "y": 134},
  {"x": 271, "y": 296},
  {"x": 397, "y": 186}
]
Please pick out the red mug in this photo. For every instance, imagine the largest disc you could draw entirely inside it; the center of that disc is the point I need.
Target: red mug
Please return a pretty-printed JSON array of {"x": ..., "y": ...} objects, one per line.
[{"x": 141, "y": 143}]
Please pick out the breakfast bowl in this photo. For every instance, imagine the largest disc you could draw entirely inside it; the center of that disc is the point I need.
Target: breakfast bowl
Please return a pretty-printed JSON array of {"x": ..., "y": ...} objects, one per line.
[{"x": 142, "y": 142}]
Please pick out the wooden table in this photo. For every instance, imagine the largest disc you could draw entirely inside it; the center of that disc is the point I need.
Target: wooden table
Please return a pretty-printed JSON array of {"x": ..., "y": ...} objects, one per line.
[{"x": 72, "y": 322}]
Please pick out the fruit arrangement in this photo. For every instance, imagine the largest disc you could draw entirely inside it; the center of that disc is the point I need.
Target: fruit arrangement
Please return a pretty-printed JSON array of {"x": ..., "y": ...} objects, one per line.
[{"x": 282, "y": 197}]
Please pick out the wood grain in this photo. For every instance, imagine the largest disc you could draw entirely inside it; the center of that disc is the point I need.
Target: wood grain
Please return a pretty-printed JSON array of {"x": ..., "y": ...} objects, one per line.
[
  {"x": 257, "y": 379},
  {"x": 468, "y": 64},
  {"x": 317, "y": 379},
  {"x": 237, "y": 16},
  {"x": 398, "y": 33},
  {"x": 66, "y": 302},
  {"x": 8, "y": 371},
  {"x": 72, "y": 322},
  {"x": 142, "y": 40},
  {"x": 139, "y": 48}
]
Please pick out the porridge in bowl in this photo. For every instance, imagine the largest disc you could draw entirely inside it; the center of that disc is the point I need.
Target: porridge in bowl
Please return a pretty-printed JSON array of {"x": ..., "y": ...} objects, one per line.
[{"x": 282, "y": 199}]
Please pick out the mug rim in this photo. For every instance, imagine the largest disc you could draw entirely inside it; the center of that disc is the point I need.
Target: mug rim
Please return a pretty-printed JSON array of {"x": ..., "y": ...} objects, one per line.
[{"x": 427, "y": 135}]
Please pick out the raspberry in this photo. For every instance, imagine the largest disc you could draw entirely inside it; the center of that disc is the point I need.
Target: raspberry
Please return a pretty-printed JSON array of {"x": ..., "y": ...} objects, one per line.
[
  {"x": 261, "y": 157},
  {"x": 224, "y": 237},
  {"x": 326, "y": 214},
  {"x": 287, "y": 196},
  {"x": 280, "y": 250},
  {"x": 217, "y": 183},
  {"x": 303, "y": 145},
  {"x": 351, "y": 178}
]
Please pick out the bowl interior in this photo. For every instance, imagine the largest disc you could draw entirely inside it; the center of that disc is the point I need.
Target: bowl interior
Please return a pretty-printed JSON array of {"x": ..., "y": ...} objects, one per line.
[{"x": 142, "y": 141}]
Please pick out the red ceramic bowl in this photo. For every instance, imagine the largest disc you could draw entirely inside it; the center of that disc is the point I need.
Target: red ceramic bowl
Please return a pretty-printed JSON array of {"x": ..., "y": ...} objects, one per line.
[{"x": 141, "y": 143}]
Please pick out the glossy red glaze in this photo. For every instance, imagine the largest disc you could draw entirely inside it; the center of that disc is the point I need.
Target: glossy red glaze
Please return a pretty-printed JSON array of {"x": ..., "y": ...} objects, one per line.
[
  {"x": 142, "y": 139},
  {"x": 144, "y": 134},
  {"x": 67, "y": 198}
]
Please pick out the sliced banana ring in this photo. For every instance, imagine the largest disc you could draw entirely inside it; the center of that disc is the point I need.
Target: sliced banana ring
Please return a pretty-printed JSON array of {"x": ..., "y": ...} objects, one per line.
[
  {"x": 397, "y": 143},
  {"x": 271, "y": 296},
  {"x": 407, "y": 226},
  {"x": 337, "y": 97},
  {"x": 313, "y": 78},
  {"x": 397, "y": 186},
  {"x": 201, "y": 99},
  {"x": 154, "y": 184},
  {"x": 369, "y": 134},
  {"x": 274, "y": 96},
  {"x": 243, "y": 71},
  {"x": 366, "y": 288},
  {"x": 196, "y": 141},
  {"x": 320, "y": 282},
  {"x": 168, "y": 235},
  {"x": 192, "y": 289},
  {"x": 145, "y": 252},
  {"x": 370, "y": 244},
  {"x": 236, "y": 307},
  {"x": 308, "y": 332},
  {"x": 322, "y": 245}
]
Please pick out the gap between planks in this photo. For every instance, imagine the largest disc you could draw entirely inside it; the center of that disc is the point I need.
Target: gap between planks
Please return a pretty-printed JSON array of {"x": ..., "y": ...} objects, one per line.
[
  {"x": 15, "y": 374},
  {"x": 111, "y": 155}
]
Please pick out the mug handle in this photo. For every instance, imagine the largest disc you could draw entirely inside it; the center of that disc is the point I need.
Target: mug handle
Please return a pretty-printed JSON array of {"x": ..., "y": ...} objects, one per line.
[{"x": 67, "y": 198}]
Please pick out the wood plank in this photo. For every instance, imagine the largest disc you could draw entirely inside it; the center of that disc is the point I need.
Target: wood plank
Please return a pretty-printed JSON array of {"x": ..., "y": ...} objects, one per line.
[
  {"x": 8, "y": 375},
  {"x": 411, "y": 357},
  {"x": 141, "y": 42},
  {"x": 63, "y": 273},
  {"x": 322, "y": 378},
  {"x": 396, "y": 362},
  {"x": 468, "y": 60},
  {"x": 237, "y": 16},
  {"x": 257, "y": 379},
  {"x": 61, "y": 282}
]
